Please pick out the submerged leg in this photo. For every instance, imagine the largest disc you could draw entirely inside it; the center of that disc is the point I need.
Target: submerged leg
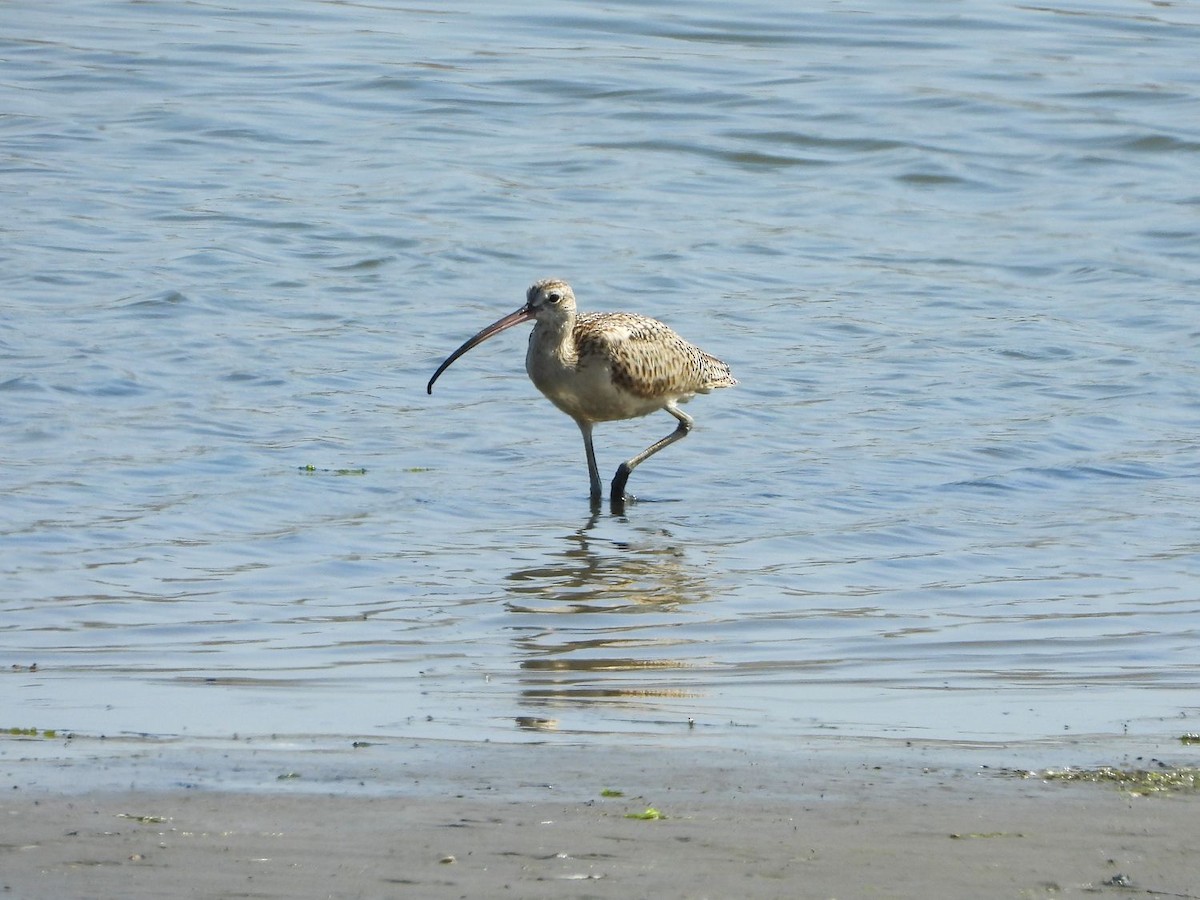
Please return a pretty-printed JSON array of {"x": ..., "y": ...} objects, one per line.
[
  {"x": 623, "y": 470},
  {"x": 593, "y": 471}
]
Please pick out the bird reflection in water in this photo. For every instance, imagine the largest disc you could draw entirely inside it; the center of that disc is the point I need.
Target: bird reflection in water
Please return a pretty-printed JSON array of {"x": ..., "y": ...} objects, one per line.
[{"x": 601, "y": 620}]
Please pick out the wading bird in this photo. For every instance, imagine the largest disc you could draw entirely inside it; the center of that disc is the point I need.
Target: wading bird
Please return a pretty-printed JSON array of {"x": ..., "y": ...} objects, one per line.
[{"x": 601, "y": 367}]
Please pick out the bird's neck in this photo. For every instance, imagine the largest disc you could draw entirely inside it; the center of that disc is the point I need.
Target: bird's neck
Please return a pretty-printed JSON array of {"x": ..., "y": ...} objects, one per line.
[{"x": 555, "y": 337}]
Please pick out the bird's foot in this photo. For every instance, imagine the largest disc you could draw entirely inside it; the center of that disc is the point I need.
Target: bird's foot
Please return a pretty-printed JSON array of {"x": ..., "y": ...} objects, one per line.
[
  {"x": 616, "y": 505},
  {"x": 619, "y": 481},
  {"x": 618, "y": 497}
]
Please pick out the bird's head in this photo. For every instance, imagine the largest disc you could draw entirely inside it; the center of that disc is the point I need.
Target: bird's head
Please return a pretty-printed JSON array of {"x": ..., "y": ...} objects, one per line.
[{"x": 550, "y": 301}]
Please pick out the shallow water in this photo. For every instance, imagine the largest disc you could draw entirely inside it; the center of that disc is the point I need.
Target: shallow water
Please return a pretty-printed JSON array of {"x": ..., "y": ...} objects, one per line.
[{"x": 950, "y": 252}]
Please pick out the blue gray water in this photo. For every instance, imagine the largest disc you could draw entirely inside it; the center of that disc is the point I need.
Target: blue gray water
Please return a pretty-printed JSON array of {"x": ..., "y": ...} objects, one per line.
[{"x": 951, "y": 251}]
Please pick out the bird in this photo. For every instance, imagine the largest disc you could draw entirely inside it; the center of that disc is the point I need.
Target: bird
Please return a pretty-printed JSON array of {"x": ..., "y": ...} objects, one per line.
[{"x": 604, "y": 367}]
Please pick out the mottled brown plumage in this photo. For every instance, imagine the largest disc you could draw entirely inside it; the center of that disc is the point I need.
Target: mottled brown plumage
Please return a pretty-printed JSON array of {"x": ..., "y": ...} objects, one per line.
[
  {"x": 648, "y": 359},
  {"x": 599, "y": 367}
]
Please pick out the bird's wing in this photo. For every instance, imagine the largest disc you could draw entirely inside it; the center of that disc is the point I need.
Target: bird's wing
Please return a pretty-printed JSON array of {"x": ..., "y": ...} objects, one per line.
[{"x": 647, "y": 358}]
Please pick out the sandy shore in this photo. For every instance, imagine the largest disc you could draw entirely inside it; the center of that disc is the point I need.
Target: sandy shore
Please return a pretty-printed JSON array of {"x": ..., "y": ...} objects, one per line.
[{"x": 437, "y": 820}]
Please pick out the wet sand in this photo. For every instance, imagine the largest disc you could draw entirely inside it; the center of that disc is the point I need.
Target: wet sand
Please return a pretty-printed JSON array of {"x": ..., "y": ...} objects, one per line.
[{"x": 437, "y": 820}]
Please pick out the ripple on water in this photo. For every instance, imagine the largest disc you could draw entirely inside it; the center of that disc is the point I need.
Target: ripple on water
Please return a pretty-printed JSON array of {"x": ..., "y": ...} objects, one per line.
[{"x": 952, "y": 496}]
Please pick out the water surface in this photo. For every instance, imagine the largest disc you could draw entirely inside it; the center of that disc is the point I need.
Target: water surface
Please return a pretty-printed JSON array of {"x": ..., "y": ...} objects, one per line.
[{"x": 950, "y": 251}]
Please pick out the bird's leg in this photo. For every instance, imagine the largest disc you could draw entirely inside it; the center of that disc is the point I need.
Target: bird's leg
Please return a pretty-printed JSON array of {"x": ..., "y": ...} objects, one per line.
[
  {"x": 623, "y": 470},
  {"x": 593, "y": 470}
]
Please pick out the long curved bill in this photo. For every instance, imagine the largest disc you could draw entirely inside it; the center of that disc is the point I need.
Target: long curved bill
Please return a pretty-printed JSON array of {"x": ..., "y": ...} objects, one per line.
[{"x": 524, "y": 314}]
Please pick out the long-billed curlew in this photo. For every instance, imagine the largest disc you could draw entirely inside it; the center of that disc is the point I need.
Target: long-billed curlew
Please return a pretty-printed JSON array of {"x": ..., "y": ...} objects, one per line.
[{"x": 600, "y": 367}]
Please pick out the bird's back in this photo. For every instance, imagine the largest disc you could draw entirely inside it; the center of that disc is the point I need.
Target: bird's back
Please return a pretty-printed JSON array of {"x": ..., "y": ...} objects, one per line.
[{"x": 647, "y": 358}]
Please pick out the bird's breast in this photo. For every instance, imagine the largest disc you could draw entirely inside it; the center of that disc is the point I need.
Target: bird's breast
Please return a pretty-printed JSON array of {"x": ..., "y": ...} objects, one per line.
[{"x": 583, "y": 386}]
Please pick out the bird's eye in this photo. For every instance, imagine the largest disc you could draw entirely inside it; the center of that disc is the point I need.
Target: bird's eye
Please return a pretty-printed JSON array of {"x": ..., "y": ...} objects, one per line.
[{"x": 553, "y": 297}]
